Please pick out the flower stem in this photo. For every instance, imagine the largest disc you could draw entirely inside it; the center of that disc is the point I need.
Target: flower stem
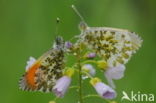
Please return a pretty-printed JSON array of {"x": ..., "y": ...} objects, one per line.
[
  {"x": 89, "y": 61},
  {"x": 80, "y": 83},
  {"x": 94, "y": 95},
  {"x": 73, "y": 87},
  {"x": 80, "y": 77}
]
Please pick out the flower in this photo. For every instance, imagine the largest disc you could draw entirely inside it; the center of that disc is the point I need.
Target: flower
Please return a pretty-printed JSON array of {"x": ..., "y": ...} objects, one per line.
[
  {"x": 102, "y": 64},
  {"x": 114, "y": 73},
  {"x": 102, "y": 89},
  {"x": 63, "y": 83},
  {"x": 30, "y": 62},
  {"x": 91, "y": 55},
  {"x": 61, "y": 86},
  {"x": 68, "y": 45},
  {"x": 89, "y": 68}
]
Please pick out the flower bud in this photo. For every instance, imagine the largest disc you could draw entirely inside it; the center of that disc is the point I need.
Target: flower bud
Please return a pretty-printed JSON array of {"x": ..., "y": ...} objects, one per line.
[
  {"x": 52, "y": 102},
  {"x": 69, "y": 72},
  {"x": 89, "y": 69},
  {"x": 113, "y": 102},
  {"x": 68, "y": 45},
  {"x": 102, "y": 64},
  {"x": 90, "y": 55}
]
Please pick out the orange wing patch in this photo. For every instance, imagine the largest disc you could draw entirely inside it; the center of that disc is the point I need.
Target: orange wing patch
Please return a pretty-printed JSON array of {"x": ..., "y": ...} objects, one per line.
[
  {"x": 27, "y": 82},
  {"x": 30, "y": 76}
]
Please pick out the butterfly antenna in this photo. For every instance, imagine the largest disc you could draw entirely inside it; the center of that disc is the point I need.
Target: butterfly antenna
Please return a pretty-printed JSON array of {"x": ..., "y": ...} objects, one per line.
[
  {"x": 57, "y": 26},
  {"x": 56, "y": 32},
  {"x": 83, "y": 25},
  {"x": 77, "y": 12}
]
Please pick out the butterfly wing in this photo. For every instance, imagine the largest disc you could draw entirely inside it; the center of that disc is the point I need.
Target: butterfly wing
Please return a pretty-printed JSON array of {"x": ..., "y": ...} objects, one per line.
[
  {"x": 43, "y": 73},
  {"x": 114, "y": 45}
]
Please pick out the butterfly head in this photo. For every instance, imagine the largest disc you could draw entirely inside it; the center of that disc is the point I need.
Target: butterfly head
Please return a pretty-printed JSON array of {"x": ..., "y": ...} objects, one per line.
[
  {"x": 83, "y": 26},
  {"x": 59, "y": 43}
]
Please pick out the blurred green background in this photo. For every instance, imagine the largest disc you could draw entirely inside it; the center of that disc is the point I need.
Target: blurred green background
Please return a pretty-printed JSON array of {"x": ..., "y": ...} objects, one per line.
[{"x": 27, "y": 28}]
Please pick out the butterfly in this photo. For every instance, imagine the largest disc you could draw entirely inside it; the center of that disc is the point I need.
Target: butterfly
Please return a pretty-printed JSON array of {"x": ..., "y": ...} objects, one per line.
[
  {"x": 42, "y": 74},
  {"x": 115, "y": 46}
]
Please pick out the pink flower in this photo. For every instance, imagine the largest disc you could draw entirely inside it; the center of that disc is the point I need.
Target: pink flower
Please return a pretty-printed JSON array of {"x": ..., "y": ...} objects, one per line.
[
  {"x": 91, "y": 55},
  {"x": 68, "y": 45},
  {"x": 89, "y": 68},
  {"x": 102, "y": 89},
  {"x": 114, "y": 73},
  {"x": 105, "y": 91},
  {"x": 61, "y": 86}
]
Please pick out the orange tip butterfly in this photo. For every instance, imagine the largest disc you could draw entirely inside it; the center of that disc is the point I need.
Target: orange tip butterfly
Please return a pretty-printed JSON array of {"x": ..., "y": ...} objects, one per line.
[
  {"x": 113, "y": 45},
  {"x": 42, "y": 74}
]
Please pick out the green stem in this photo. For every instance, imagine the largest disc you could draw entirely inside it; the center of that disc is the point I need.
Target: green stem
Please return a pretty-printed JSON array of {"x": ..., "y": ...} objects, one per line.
[
  {"x": 80, "y": 82},
  {"x": 80, "y": 76},
  {"x": 89, "y": 61},
  {"x": 55, "y": 99},
  {"x": 73, "y": 87},
  {"x": 91, "y": 95},
  {"x": 94, "y": 95}
]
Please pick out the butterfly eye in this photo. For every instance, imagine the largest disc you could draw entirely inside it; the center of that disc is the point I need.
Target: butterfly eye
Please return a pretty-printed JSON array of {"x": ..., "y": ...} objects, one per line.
[{"x": 58, "y": 40}]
